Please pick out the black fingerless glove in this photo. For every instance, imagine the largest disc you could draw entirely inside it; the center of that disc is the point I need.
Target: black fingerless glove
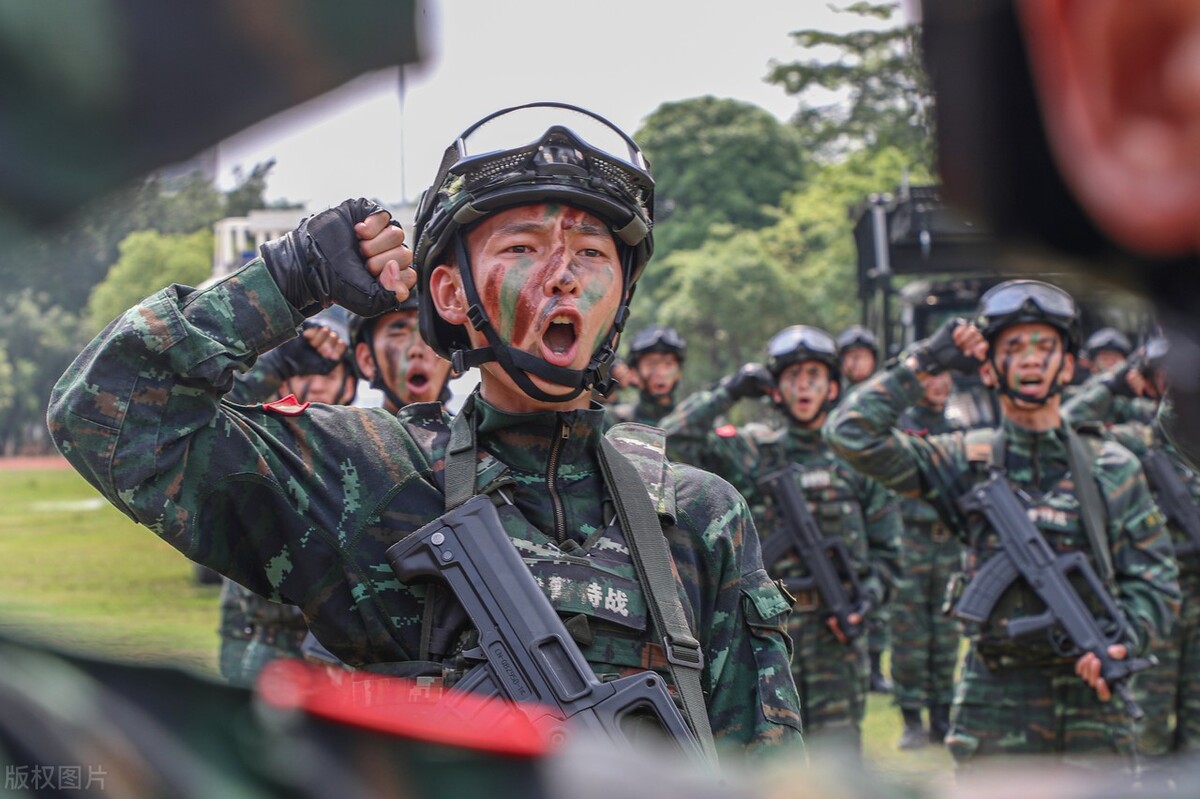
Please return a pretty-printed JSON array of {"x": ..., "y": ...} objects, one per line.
[
  {"x": 319, "y": 263},
  {"x": 752, "y": 380},
  {"x": 296, "y": 357},
  {"x": 938, "y": 353}
]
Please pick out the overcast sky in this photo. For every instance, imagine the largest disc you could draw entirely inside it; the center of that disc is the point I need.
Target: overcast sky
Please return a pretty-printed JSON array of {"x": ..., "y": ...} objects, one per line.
[{"x": 620, "y": 58}]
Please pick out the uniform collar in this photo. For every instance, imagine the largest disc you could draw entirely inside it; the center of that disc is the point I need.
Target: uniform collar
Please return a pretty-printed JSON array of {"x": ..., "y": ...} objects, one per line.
[
  {"x": 1044, "y": 442},
  {"x": 527, "y": 441}
]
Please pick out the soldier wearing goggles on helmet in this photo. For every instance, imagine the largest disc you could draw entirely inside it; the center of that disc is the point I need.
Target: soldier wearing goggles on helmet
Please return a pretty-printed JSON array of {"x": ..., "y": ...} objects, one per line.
[
  {"x": 528, "y": 247},
  {"x": 656, "y": 356},
  {"x": 801, "y": 378},
  {"x": 858, "y": 349},
  {"x": 1024, "y": 696}
]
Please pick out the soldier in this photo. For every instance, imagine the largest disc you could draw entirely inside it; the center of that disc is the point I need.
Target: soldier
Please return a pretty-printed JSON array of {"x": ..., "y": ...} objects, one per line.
[
  {"x": 656, "y": 356},
  {"x": 858, "y": 351},
  {"x": 925, "y": 638},
  {"x": 1024, "y": 697},
  {"x": 391, "y": 355},
  {"x": 313, "y": 367},
  {"x": 526, "y": 257},
  {"x": 1169, "y": 693},
  {"x": 801, "y": 377},
  {"x": 1104, "y": 350}
]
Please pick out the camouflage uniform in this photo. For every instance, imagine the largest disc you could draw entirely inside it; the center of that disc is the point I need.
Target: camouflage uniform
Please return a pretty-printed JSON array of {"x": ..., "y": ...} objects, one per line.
[
  {"x": 925, "y": 640},
  {"x": 300, "y": 504},
  {"x": 830, "y": 676},
  {"x": 645, "y": 411},
  {"x": 1170, "y": 692},
  {"x": 1020, "y": 697},
  {"x": 255, "y": 631}
]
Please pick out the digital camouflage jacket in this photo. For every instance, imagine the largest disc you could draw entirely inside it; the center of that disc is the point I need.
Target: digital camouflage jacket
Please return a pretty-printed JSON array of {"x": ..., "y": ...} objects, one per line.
[
  {"x": 644, "y": 411},
  {"x": 940, "y": 469},
  {"x": 844, "y": 503},
  {"x": 300, "y": 503}
]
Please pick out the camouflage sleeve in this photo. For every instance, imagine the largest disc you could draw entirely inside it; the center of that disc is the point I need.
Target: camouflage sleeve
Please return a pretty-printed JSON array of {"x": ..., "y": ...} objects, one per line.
[
  {"x": 884, "y": 526},
  {"x": 1143, "y": 560},
  {"x": 260, "y": 384},
  {"x": 140, "y": 414},
  {"x": 741, "y": 616},
  {"x": 1093, "y": 402},
  {"x": 691, "y": 439},
  {"x": 862, "y": 430}
]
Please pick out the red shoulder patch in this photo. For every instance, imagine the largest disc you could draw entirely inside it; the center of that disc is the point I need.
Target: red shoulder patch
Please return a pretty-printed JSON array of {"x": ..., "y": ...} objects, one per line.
[
  {"x": 288, "y": 406},
  {"x": 726, "y": 431}
]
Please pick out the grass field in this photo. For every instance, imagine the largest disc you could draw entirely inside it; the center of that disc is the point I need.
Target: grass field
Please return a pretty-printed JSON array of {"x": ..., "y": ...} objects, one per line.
[{"x": 77, "y": 574}]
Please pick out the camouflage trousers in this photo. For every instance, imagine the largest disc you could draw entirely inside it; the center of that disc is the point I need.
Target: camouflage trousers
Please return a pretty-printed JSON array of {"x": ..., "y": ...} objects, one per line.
[
  {"x": 832, "y": 681},
  {"x": 1170, "y": 692},
  {"x": 925, "y": 641},
  {"x": 1036, "y": 710}
]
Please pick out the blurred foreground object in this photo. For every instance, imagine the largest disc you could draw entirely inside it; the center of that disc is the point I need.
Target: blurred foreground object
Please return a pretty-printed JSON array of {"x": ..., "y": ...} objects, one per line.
[{"x": 97, "y": 93}]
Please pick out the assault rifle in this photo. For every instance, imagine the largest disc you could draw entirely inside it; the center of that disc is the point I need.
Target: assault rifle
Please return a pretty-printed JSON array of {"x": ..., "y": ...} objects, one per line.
[
  {"x": 1067, "y": 620},
  {"x": 1173, "y": 498},
  {"x": 525, "y": 654},
  {"x": 828, "y": 562}
]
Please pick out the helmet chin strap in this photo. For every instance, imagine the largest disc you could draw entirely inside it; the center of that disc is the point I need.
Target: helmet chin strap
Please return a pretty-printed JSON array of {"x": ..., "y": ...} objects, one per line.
[{"x": 516, "y": 363}]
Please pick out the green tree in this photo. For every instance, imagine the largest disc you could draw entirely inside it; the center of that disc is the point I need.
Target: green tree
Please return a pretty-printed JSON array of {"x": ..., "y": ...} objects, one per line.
[
  {"x": 40, "y": 340},
  {"x": 148, "y": 261},
  {"x": 7, "y": 392},
  {"x": 716, "y": 161},
  {"x": 865, "y": 89}
]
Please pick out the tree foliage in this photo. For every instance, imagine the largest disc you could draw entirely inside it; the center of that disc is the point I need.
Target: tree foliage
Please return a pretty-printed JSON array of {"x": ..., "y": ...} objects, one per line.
[
  {"x": 716, "y": 161},
  {"x": 149, "y": 260},
  {"x": 39, "y": 341},
  {"x": 865, "y": 89}
]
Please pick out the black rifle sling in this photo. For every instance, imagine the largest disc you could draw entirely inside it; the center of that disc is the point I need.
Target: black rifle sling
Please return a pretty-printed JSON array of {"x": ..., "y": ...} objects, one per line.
[
  {"x": 647, "y": 549},
  {"x": 1092, "y": 511},
  {"x": 652, "y": 558}
]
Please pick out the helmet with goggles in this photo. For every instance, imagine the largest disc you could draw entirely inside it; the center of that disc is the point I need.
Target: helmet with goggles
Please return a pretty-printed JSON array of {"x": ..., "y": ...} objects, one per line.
[
  {"x": 657, "y": 339},
  {"x": 1017, "y": 301},
  {"x": 802, "y": 343},
  {"x": 857, "y": 336},
  {"x": 1107, "y": 338},
  {"x": 527, "y": 155}
]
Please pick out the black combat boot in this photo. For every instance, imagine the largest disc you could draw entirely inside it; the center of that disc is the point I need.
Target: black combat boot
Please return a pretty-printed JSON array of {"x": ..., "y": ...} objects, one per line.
[
  {"x": 879, "y": 683},
  {"x": 914, "y": 736},
  {"x": 939, "y": 722}
]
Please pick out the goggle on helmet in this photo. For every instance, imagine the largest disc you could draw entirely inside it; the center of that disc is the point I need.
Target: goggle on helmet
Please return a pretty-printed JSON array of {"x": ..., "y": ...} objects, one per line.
[
  {"x": 1107, "y": 338},
  {"x": 857, "y": 336},
  {"x": 802, "y": 343},
  {"x": 1017, "y": 301},
  {"x": 657, "y": 339},
  {"x": 525, "y": 155}
]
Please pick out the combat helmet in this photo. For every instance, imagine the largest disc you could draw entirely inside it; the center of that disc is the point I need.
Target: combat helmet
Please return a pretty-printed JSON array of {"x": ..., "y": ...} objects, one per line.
[
  {"x": 802, "y": 343},
  {"x": 857, "y": 336},
  {"x": 542, "y": 152},
  {"x": 1107, "y": 338},
  {"x": 1016, "y": 301},
  {"x": 657, "y": 339}
]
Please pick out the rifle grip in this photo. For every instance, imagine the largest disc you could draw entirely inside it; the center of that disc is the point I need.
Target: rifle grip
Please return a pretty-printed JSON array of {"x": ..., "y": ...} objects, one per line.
[{"x": 985, "y": 588}]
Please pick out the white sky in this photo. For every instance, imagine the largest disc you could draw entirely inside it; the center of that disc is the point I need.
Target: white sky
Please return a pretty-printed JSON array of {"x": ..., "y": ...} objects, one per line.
[{"x": 618, "y": 58}]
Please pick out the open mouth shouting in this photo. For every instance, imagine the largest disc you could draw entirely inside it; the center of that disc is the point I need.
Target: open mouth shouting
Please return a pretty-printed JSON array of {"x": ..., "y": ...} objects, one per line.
[
  {"x": 560, "y": 338},
  {"x": 418, "y": 384}
]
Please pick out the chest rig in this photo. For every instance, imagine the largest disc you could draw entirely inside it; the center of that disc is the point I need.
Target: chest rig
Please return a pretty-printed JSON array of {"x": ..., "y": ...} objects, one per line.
[
  {"x": 1071, "y": 507},
  {"x": 634, "y": 595}
]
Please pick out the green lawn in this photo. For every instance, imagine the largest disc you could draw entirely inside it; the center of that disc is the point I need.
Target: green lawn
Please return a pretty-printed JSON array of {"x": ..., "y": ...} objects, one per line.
[{"x": 78, "y": 574}]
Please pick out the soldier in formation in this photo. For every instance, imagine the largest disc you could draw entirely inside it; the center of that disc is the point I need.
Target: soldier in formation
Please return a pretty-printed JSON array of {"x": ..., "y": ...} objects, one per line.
[
  {"x": 526, "y": 258},
  {"x": 925, "y": 636},
  {"x": 656, "y": 356},
  {"x": 1025, "y": 696},
  {"x": 801, "y": 376}
]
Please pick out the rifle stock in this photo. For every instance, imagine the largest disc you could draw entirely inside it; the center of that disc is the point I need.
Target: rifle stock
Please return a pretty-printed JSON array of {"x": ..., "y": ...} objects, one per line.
[
  {"x": 828, "y": 562},
  {"x": 1026, "y": 555},
  {"x": 525, "y": 654}
]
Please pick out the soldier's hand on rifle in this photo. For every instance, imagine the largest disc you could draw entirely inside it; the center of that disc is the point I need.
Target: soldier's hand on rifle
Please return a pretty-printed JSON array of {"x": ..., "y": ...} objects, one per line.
[
  {"x": 957, "y": 345},
  {"x": 836, "y": 628},
  {"x": 752, "y": 380},
  {"x": 352, "y": 255},
  {"x": 1088, "y": 669}
]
